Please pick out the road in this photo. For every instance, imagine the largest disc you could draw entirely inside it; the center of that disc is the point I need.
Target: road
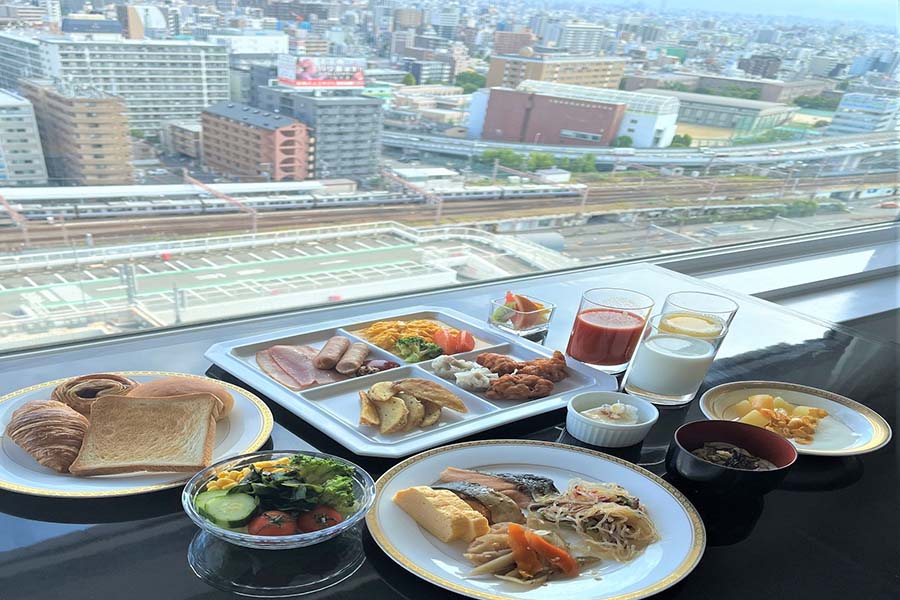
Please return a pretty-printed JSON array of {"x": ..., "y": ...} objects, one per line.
[{"x": 830, "y": 147}]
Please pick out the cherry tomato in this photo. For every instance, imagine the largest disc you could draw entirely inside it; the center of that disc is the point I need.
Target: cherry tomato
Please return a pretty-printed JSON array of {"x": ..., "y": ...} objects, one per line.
[
  {"x": 319, "y": 517},
  {"x": 273, "y": 522},
  {"x": 466, "y": 342}
]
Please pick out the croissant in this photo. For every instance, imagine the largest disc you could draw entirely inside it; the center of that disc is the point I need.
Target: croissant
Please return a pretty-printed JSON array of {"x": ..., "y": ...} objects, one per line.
[
  {"x": 50, "y": 431},
  {"x": 80, "y": 392}
]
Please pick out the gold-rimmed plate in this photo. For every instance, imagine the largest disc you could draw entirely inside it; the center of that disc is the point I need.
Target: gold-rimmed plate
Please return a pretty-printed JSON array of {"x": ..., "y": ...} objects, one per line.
[
  {"x": 661, "y": 565},
  {"x": 850, "y": 427},
  {"x": 244, "y": 430}
]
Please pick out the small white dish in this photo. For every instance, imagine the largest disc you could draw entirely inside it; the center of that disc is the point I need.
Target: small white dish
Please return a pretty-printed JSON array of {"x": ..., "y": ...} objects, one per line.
[{"x": 609, "y": 435}]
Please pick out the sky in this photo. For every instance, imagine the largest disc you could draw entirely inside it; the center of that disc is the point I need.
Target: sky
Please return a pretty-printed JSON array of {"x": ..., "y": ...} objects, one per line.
[{"x": 883, "y": 12}]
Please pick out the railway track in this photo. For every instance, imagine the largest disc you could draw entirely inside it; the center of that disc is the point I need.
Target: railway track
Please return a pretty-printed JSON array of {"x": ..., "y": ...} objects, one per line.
[{"x": 631, "y": 194}]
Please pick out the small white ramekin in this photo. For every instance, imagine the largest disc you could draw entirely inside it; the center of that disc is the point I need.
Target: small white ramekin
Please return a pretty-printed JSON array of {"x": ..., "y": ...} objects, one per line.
[{"x": 595, "y": 433}]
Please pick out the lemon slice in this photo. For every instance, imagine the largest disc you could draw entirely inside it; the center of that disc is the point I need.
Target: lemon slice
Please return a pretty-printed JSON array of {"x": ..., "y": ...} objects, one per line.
[{"x": 700, "y": 326}]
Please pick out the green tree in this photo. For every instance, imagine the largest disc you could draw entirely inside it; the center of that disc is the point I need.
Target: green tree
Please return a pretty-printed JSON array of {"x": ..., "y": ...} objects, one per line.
[
  {"x": 409, "y": 79},
  {"x": 507, "y": 158},
  {"x": 681, "y": 141},
  {"x": 540, "y": 160},
  {"x": 819, "y": 102},
  {"x": 677, "y": 86},
  {"x": 470, "y": 81},
  {"x": 137, "y": 133},
  {"x": 731, "y": 91},
  {"x": 623, "y": 141}
]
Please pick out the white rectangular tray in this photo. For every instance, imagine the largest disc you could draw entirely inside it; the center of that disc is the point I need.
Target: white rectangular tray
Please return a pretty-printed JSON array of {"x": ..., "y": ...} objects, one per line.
[{"x": 334, "y": 408}]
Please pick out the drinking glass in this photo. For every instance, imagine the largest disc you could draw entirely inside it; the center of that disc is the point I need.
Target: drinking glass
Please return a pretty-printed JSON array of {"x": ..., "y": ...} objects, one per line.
[
  {"x": 668, "y": 368},
  {"x": 697, "y": 314},
  {"x": 608, "y": 327}
]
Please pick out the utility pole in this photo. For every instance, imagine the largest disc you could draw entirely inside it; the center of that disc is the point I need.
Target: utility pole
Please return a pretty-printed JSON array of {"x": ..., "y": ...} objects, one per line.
[
  {"x": 494, "y": 174},
  {"x": 17, "y": 218}
]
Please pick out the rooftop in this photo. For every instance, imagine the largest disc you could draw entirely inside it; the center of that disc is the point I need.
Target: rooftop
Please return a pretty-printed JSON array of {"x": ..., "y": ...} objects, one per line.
[
  {"x": 635, "y": 101},
  {"x": 717, "y": 100},
  {"x": 8, "y": 98},
  {"x": 244, "y": 113},
  {"x": 588, "y": 58}
]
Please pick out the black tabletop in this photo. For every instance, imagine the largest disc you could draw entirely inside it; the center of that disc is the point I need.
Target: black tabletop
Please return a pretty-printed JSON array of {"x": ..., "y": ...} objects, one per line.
[{"x": 831, "y": 530}]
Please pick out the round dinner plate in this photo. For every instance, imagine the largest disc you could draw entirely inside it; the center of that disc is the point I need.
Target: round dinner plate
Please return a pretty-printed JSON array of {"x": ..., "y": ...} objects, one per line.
[
  {"x": 661, "y": 565},
  {"x": 244, "y": 430},
  {"x": 850, "y": 427}
]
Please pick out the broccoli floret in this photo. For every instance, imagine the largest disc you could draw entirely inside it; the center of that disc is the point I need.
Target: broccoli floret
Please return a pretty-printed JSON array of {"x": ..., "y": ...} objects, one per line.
[
  {"x": 338, "y": 494},
  {"x": 318, "y": 471},
  {"x": 416, "y": 349}
]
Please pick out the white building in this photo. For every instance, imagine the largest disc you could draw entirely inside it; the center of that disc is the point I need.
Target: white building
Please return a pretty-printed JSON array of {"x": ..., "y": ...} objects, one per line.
[
  {"x": 577, "y": 37},
  {"x": 21, "y": 156},
  {"x": 53, "y": 10},
  {"x": 477, "y": 112},
  {"x": 865, "y": 113},
  {"x": 649, "y": 120},
  {"x": 251, "y": 41},
  {"x": 159, "y": 79}
]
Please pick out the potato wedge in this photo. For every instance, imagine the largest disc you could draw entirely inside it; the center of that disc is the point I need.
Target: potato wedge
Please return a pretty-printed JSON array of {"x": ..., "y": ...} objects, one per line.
[
  {"x": 392, "y": 415},
  {"x": 381, "y": 391},
  {"x": 425, "y": 389},
  {"x": 415, "y": 408},
  {"x": 368, "y": 414},
  {"x": 432, "y": 414}
]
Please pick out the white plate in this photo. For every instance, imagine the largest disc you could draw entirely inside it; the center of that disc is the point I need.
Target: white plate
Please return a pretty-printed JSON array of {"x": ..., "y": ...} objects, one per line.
[
  {"x": 334, "y": 408},
  {"x": 244, "y": 430},
  {"x": 661, "y": 565},
  {"x": 850, "y": 427}
]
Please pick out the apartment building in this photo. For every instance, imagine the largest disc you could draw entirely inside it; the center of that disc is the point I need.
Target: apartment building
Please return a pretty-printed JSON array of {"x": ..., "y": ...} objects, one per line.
[
  {"x": 510, "y": 70},
  {"x": 21, "y": 156},
  {"x": 347, "y": 127},
  {"x": 182, "y": 138},
  {"x": 511, "y": 42},
  {"x": 249, "y": 143},
  {"x": 84, "y": 132},
  {"x": 865, "y": 113},
  {"x": 760, "y": 65},
  {"x": 578, "y": 37},
  {"x": 160, "y": 80}
]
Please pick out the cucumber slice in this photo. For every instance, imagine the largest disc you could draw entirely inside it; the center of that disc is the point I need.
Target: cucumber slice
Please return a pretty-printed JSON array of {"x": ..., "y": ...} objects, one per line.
[
  {"x": 202, "y": 498},
  {"x": 231, "y": 510}
]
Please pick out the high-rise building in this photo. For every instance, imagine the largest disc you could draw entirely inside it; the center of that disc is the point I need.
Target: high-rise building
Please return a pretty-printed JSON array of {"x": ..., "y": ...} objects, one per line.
[
  {"x": 407, "y": 18},
  {"x": 768, "y": 36},
  {"x": 865, "y": 113},
  {"x": 21, "y": 156},
  {"x": 823, "y": 66},
  {"x": 142, "y": 21},
  {"x": 84, "y": 133},
  {"x": 510, "y": 70},
  {"x": 53, "y": 10},
  {"x": 577, "y": 37},
  {"x": 511, "y": 42},
  {"x": 760, "y": 65},
  {"x": 427, "y": 71},
  {"x": 159, "y": 79},
  {"x": 347, "y": 127},
  {"x": 445, "y": 21},
  {"x": 20, "y": 14},
  {"x": 250, "y": 143}
]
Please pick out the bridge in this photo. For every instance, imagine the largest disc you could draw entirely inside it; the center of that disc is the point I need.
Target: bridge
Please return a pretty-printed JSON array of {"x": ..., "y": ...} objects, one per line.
[{"x": 848, "y": 149}]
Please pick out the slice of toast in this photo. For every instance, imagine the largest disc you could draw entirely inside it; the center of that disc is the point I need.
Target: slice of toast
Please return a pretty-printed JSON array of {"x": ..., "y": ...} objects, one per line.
[{"x": 130, "y": 434}]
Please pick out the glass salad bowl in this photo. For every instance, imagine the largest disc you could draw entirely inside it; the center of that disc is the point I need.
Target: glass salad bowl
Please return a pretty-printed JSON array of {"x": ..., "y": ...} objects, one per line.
[{"x": 363, "y": 492}]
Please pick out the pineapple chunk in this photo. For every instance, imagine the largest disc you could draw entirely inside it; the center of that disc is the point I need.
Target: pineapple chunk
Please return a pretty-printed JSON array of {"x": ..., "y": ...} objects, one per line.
[
  {"x": 782, "y": 403},
  {"x": 742, "y": 408},
  {"x": 754, "y": 417},
  {"x": 762, "y": 401},
  {"x": 802, "y": 411}
]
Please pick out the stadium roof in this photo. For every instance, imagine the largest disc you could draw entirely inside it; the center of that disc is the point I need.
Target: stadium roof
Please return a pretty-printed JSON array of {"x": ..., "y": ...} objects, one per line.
[
  {"x": 694, "y": 98},
  {"x": 635, "y": 101}
]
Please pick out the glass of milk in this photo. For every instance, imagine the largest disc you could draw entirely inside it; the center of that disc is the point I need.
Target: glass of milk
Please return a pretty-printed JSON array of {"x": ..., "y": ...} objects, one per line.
[{"x": 669, "y": 367}]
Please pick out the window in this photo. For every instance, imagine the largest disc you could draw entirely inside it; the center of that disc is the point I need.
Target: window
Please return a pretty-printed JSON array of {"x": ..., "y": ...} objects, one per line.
[{"x": 385, "y": 172}]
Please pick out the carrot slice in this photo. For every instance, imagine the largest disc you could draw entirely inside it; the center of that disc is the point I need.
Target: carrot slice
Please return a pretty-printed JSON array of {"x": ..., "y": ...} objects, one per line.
[
  {"x": 556, "y": 556},
  {"x": 527, "y": 560}
]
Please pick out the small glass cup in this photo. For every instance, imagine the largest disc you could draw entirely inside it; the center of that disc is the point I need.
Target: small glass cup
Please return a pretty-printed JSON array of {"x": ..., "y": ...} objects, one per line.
[
  {"x": 697, "y": 314},
  {"x": 668, "y": 368},
  {"x": 531, "y": 325},
  {"x": 608, "y": 327}
]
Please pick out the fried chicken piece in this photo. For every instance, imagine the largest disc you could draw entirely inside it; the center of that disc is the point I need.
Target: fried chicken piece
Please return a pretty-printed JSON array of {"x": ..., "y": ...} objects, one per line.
[
  {"x": 553, "y": 368},
  {"x": 498, "y": 363},
  {"x": 519, "y": 387}
]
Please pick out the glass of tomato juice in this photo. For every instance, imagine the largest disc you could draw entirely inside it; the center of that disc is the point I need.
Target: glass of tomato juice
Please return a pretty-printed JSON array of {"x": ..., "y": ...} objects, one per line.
[{"x": 608, "y": 327}]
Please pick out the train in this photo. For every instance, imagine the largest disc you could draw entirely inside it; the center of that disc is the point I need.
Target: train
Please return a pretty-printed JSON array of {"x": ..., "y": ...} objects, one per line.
[{"x": 205, "y": 203}]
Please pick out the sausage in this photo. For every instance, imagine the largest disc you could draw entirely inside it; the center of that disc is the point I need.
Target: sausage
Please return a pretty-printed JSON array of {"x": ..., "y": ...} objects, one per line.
[
  {"x": 352, "y": 359},
  {"x": 331, "y": 352}
]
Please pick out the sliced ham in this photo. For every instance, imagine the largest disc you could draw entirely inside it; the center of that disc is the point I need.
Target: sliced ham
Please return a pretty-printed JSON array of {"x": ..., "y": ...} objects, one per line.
[
  {"x": 270, "y": 367},
  {"x": 293, "y": 366}
]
